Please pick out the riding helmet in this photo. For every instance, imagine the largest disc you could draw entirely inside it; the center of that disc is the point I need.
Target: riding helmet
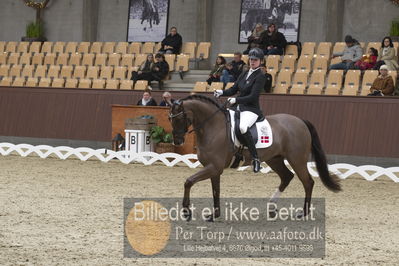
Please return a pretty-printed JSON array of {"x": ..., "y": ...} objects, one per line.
[{"x": 256, "y": 53}]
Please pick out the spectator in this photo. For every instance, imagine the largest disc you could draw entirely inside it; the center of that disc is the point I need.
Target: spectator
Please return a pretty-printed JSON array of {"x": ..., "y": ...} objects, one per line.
[
  {"x": 255, "y": 39},
  {"x": 167, "y": 99},
  {"x": 147, "y": 100},
  {"x": 387, "y": 55},
  {"x": 144, "y": 69},
  {"x": 158, "y": 72},
  {"x": 273, "y": 41},
  {"x": 233, "y": 69},
  {"x": 269, "y": 79},
  {"x": 383, "y": 84},
  {"x": 368, "y": 61},
  {"x": 172, "y": 43},
  {"x": 217, "y": 70},
  {"x": 351, "y": 54}
]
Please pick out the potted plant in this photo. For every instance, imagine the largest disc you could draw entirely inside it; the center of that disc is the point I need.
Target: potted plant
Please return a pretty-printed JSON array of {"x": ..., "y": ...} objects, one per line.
[
  {"x": 34, "y": 32},
  {"x": 162, "y": 140},
  {"x": 394, "y": 32}
]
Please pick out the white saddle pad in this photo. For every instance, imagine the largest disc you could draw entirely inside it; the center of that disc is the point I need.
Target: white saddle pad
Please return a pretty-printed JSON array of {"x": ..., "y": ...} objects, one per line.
[{"x": 265, "y": 134}]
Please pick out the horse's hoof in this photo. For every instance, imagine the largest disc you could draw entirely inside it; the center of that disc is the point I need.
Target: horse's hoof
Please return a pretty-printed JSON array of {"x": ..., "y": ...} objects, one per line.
[
  {"x": 209, "y": 218},
  {"x": 300, "y": 214},
  {"x": 187, "y": 214},
  {"x": 273, "y": 214}
]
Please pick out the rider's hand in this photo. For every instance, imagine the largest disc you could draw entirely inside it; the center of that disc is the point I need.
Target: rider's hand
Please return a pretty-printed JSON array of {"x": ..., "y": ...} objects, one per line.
[
  {"x": 218, "y": 93},
  {"x": 232, "y": 101}
]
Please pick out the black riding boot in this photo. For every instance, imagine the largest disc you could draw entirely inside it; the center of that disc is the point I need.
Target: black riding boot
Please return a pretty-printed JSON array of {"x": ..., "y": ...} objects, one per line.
[{"x": 252, "y": 150}]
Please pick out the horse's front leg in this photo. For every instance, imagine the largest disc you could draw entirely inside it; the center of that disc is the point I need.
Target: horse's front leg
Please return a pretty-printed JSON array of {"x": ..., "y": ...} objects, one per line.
[
  {"x": 205, "y": 173},
  {"x": 216, "y": 198}
]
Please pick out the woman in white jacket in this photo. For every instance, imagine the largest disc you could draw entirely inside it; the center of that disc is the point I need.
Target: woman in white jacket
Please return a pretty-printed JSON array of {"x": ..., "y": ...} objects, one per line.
[{"x": 387, "y": 55}]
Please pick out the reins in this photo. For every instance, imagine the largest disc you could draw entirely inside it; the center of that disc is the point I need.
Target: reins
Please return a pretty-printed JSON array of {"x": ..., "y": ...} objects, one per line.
[{"x": 223, "y": 108}]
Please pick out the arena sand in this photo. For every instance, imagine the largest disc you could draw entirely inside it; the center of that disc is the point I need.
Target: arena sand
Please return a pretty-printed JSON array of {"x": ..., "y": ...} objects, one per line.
[{"x": 56, "y": 212}]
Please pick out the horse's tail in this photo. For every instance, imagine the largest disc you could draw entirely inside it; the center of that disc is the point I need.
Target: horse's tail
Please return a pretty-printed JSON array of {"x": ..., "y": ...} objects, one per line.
[{"x": 331, "y": 181}]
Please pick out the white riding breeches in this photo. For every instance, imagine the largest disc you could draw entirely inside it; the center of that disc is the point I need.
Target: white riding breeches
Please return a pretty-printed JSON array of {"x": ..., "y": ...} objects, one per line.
[{"x": 247, "y": 119}]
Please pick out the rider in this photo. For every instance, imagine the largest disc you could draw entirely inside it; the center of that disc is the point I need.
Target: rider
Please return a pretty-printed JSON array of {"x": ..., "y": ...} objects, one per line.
[{"x": 249, "y": 84}]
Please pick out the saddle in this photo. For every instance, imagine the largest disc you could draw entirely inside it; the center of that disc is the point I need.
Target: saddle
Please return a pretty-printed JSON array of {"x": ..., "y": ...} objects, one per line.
[{"x": 252, "y": 129}]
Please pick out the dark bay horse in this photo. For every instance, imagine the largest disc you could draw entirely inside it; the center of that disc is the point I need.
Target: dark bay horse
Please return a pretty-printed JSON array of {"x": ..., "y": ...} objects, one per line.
[{"x": 294, "y": 139}]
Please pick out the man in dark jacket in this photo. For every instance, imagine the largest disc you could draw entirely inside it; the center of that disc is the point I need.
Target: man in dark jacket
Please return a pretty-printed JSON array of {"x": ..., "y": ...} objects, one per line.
[
  {"x": 273, "y": 41},
  {"x": 233, "y": 69},
  {"x": 269, "y": 79},
  {"x": 172, "y": 43}
]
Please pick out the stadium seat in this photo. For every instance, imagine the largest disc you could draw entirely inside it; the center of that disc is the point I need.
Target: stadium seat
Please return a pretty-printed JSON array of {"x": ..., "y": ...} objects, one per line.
[
  {"x": 88, "y": 59},
  {"x": 308, "y": 49},
  {"x": 229, "y": 85},
  {"x": 71, "y": 47},
  {"x": 54, "y": 71},
  {"x": 27, "y": 71},
  {"x": 335, "y": 60},
  {"x": 375, "y": 45},
  {"x": 35, "y": 47},
  {"x": 300, "y": 82},
  {"x": 44, "y": 82},
  {"x": 98, "y": 84},
  {"x": 3, "y": 58},
  {"x": 11, "y": 47},
  {"x": 126, "y": 85},
  {"x": 15, "y": 71},
  {"x": 324, "y": 50},
  {"x": 130, "y": 70},
  {"x": 112, "y": 84},
  {"x": 41, "y": 71},
  {"x": 13, "y": 59},
  {"x": 182, "y": 62},
  {"x": 127, "y": 60},
  {"x": 6, "y": 81},
  {"x": 75, "y": 59},
  {"x": 292, "y": 50},
  {"x": 203, "y": 50},
  {"x": 200, "y": 86},
  {"x": 148, "y": 48},
  {"x": 23, "y": 47},
  {"x": 66, "y": 72},
  {"x": 320, "y": 64},
  {"x": 31, "y": 82},
  {"x": 25, "y": 59},
  {"x": 304, "y": 64},
  {"x": 189, "y": 48},
  {"x": 49, "y": 59},
  {"x": 288, "y": 63},
  {"x": 273, "y": 79},
  {"x": 59, "y": 47},
  {"x": 2, "y": 46},
  {"x": 334, "y": 82},
  {"x": 79, "y": 72},
  {"x": 121, "y": 47},
  {"x": 245, "y": 58},
  {"x": 134, "y": 48},
  {"x": 157, "y": 47},
  {"x": 273, "y": 63},
  {"x": 84, "y": 84},
  {"x": 4, "y": 69},
  {"x": 368, "y": 79},
  {"x": 83, "y": 47},
  {"x": 120, "y": 72},
  {"x": 339, "y": 47},
  {"x": 141, "y": 85},
  {"x": 316, "y": 83},
  {"x": 216, "y": 86},
  {"x": 47, "y": 47},
  {"x": 394, "y": 75},
  {"x": 114, "y": 59},
  {"x": 71, "y": 83},
  {"x": 62, "y": 59},
  {"x": 106, "y": 72},
  {"x": 170, "y": 58},
  {"x": 396, "y": 46},
  {"x": 352, "y": 81},
  {"x": 92, "y": 72},
  {"x": 109, "y": 48},
  {"x": 58, "y": 83},
  {"x": 283, "y": 81},
  {"x": 96, "y": 47},
  {"x": 18, "y": 82},
  {"x": 140, "y": 58},
  {"x": 101, "y": 59}
]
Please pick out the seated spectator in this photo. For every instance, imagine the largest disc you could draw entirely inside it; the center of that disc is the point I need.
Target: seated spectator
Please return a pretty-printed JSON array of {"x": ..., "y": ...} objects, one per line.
[
  {"x": 273, "y": 41},
  {"x": 387, "y": 56},
  {"x": 147, "y": 100},
  {"x": 383, "y": 84},
  {"x": 158, "y": 71},
  {"x": 368, "y": 61},
  {"x": 217, "y": 70},
  {"x": 255, "y": 40},
  {"x": 144, "y": 69},
  {"x": 269, "y": 79},
  {"x": 233, "y": 69},
  {"x": 172, "y": 43},
  {"x": 167, "y": 98},
  {"x": 351, "y": 54}
]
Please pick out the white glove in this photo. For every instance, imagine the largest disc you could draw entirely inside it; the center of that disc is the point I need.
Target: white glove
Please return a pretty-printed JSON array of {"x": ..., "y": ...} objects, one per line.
[
  {"x": 232, "y": 101},
  {"x": 218, "y": 93}
]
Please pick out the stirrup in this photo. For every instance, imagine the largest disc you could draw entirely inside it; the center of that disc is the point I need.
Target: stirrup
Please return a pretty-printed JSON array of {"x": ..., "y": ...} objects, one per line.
[{"x": 256, "y": 165}]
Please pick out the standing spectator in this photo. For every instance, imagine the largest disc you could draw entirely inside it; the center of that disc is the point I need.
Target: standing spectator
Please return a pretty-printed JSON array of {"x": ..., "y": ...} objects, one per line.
[
  {"x": 351, "y": 54},
  {"x": 255, "y": 40},
  {"x": 158, "y": 72},
  {"x": 387, "y": 55},
  {"x": 269, "y": 79},
  {"x": 383, "y": 84},
  {"x": 217, "y": 70},
  {"x": 172, "y": 43},
  {"x": 144, "y": 69},
  {"x": 273, "y": 41},
  {"x": 167, "y": 99},
  {"x": 233, "y": 69},
  {"x": 147, "y": 100},
  {"x": 368, "y": 61}
]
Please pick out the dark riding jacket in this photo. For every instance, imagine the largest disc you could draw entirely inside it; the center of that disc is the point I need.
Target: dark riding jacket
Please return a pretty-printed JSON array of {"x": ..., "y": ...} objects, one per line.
[{"x": 249, "y": 89}]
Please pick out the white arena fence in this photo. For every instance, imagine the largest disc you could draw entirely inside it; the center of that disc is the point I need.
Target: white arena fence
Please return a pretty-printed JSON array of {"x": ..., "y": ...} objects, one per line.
[{"x": 369, "y": 172}]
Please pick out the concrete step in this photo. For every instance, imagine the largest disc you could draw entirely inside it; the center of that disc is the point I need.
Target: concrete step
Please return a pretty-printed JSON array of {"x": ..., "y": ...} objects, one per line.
[
  {"x": 191, "y": 76},
  {"x": 173, "y": 86}
]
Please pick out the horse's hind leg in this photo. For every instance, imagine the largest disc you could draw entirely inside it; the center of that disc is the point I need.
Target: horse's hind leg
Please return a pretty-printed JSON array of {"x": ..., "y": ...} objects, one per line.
[{"x": 278, "y": 166}]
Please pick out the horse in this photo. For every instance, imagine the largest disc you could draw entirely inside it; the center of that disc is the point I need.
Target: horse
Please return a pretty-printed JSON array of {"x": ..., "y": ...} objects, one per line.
[
  {"x": 294, "y": 139},
  {"x": 150, "y": 13}
]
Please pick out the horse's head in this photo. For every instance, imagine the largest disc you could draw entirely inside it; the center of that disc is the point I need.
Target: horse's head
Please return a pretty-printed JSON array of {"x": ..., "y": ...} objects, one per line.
[{"x": 180, "y": 122}]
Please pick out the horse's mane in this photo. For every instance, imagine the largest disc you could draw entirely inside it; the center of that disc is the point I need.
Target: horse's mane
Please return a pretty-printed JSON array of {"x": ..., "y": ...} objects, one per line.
[{"x": 203, "y": 98}]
